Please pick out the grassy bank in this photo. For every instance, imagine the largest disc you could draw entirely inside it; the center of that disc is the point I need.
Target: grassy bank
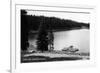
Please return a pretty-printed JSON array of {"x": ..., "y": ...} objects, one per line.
[{"x": 27, "y": 57}]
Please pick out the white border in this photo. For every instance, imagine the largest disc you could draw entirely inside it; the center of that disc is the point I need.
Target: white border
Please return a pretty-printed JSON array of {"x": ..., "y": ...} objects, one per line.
[{"x": 15, "y": 63}]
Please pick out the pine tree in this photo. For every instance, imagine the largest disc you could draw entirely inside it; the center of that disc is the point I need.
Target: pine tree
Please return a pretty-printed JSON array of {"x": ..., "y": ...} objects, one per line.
[{"x": 42, "y": 40}]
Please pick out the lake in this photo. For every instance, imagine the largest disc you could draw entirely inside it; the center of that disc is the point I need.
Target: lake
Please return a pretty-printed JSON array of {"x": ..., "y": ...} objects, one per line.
[{"x": 78, "y": 38}]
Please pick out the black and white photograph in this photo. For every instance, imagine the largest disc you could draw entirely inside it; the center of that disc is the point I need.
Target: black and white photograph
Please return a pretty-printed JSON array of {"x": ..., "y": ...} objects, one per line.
[{"x": 49, "y": 35}]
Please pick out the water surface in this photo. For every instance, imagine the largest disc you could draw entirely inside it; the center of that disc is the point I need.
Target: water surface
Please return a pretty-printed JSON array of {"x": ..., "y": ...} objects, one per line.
[{"x": 78, "y": 38}]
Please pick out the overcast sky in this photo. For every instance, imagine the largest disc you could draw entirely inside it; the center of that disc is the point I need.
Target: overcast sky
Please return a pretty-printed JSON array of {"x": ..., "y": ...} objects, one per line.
[{"x": 80, "y": 17}]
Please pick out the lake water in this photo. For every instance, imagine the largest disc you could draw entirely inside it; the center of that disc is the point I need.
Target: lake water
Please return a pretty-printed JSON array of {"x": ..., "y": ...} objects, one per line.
[{"x": 78, "y": 38}]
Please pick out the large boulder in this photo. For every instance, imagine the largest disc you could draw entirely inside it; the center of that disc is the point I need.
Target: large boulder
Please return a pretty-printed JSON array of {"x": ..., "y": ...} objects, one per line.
[{"x": 70, "y": 49}]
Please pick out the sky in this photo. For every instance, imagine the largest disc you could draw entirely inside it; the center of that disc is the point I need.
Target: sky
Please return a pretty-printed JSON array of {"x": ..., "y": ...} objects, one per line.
[{"x": 79, "y": 17}]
